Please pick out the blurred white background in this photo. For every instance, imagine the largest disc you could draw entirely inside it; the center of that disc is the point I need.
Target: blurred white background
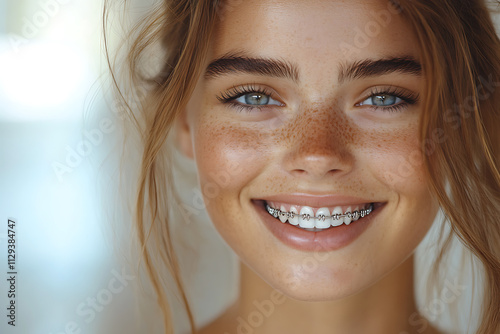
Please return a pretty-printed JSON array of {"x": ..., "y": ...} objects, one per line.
[
  {"x": 58, "y": 147},
  {"x": 54, "y": 137}
]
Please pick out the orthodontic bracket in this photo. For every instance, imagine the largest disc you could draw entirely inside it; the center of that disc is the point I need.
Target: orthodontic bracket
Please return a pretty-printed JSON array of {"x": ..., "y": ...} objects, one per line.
[{"x": 355, "y": 215}]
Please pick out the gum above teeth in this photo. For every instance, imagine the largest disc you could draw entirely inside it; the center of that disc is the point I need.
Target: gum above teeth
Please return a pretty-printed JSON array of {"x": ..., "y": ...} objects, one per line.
[{"x": 336, "y": 218}]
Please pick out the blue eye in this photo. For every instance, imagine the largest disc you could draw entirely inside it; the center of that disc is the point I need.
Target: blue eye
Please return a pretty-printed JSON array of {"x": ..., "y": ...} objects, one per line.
[
  {"x": 249, "y": 98},
  {"x": 391, "y": 99},
  {"x": 382, "y": 100},
  {"x": 256, "y": 99}
]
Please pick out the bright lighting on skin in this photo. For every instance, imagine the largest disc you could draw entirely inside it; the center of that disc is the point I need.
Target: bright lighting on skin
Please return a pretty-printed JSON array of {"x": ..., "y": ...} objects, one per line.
[{"x": 39, "y": 77}]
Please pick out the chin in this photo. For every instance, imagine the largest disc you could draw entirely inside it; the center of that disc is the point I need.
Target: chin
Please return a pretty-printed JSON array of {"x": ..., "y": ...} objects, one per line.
[
  {"x": 320, "y": 284},
  {"x": 309, "y": 293}
]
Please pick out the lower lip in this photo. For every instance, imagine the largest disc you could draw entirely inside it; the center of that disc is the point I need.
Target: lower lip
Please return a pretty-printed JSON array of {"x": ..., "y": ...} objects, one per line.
[{"x": 326, "y": 240}]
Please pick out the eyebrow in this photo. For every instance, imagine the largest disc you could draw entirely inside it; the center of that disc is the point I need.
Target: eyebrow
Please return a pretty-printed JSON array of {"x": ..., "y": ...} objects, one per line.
[
  {"x": 369, "y": 67},
  {"x": 236, "y": 64}
]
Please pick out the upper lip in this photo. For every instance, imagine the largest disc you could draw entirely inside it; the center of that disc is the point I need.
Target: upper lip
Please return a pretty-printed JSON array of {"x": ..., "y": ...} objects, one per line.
[{"x": 318, "y": 201}]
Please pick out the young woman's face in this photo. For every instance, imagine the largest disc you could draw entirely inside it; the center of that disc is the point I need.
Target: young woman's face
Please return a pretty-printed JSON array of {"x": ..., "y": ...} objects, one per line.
[{"x": 312, "y": 108}]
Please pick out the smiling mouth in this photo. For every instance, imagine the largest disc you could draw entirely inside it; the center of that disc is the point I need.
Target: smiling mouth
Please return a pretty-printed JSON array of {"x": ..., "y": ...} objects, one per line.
[{"x": 311, "y": 219}]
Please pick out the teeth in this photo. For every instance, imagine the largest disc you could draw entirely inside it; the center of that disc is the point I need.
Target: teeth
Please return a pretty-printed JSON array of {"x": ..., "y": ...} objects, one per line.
[
  {"x": 306, "y": 217},
  {"x": 323, "y": 218},
  {"x": 336, "y": 212},
  {"x": 355, "y": 214},
  {"x": 283, "y": 214},
  {"x": 348, "y": 216},
  {"x": 294, "y": 216}
]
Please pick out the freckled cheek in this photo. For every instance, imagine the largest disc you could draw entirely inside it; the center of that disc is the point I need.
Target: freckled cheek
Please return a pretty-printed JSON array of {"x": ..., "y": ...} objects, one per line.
[
  {"x": 395, "y": 157},
  {"x": 228, "y": 156}
]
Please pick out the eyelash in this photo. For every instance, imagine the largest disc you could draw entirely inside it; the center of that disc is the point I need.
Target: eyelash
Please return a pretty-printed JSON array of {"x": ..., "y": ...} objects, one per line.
[
  {"x": 407, "y": 97},
  {"x": 232, "y": 94}
]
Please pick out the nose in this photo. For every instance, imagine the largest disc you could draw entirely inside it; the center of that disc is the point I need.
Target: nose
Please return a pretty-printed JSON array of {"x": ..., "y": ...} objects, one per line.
[{"x": 319, "y": 147}]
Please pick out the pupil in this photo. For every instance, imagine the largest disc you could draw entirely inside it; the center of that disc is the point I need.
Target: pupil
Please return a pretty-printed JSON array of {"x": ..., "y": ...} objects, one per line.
[
  {"x": 384, "y": 100},
  {"x": 256, "y": 99}
]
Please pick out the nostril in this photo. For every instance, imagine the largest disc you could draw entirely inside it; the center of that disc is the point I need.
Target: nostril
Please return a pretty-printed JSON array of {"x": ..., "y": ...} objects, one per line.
[
  {"x": 314, "y": 173},
  {"x": 302, "y": 162}
]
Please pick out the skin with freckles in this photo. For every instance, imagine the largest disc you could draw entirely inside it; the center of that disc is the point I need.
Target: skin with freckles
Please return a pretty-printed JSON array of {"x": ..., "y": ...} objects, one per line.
[{"x": 316, "y": 134}]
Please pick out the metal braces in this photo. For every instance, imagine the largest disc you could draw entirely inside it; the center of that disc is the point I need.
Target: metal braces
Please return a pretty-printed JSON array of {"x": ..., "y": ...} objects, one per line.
[{"x": 354, "y": 215}]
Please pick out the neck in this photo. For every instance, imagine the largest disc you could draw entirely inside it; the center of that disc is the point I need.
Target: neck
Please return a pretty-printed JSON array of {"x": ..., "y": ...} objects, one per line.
[{"x": 387, "y": 306}]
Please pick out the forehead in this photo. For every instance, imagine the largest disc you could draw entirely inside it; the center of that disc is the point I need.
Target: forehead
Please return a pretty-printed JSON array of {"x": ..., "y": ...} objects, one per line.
[{"x": 316, "y": 31}]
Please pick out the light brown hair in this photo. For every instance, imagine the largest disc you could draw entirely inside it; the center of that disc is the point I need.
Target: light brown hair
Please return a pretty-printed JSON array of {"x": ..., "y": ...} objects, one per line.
[{"x": 460, "y": 54}]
